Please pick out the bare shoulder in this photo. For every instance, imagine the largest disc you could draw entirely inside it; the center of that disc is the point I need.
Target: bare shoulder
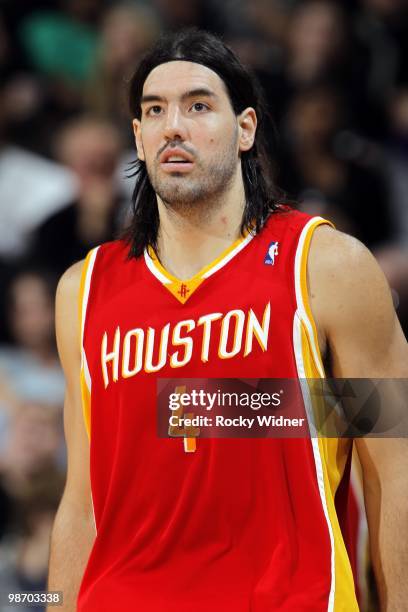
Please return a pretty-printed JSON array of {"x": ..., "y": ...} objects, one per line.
[
  {"x": 344, "y": 276},
  {"x": 67, "y": 323},
  {"x": 352, "y": 305},
  {"x": 69, "y": 283},
  {"x": 338, "y": 255}
]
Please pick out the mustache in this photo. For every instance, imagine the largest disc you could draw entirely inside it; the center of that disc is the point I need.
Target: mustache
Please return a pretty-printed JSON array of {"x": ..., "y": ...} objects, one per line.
[{"x": 172, "y": 145}]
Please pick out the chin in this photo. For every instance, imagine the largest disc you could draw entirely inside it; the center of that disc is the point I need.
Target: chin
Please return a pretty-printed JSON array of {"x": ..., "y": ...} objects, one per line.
[{"x": 177, "y": 190}]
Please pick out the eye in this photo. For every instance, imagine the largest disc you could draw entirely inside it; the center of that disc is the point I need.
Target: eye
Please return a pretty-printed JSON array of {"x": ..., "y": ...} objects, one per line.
[
  {"x": 199, "y": 107},
  {"x": 154, "y": 110}
]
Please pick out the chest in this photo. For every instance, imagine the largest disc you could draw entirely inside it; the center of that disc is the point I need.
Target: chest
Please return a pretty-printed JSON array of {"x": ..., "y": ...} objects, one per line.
[{"x": 237, "y": 323}]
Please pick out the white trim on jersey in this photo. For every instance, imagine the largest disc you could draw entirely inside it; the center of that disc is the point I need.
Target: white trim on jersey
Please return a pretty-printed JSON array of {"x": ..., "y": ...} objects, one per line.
[
  {"x": 362, "y": 534},
  {"x": 87, "y": 375},
  {"x": 298, "y": 286},
  {"x": 84, "y": 362},
  {"x": 87, "y": 287},
  {"x": 154, "y": 270},
  {"x": 228, "y": 257},
  {"x": 300, "y": 318}
]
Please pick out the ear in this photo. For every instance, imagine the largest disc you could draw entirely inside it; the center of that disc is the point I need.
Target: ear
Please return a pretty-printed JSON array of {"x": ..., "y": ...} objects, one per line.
[
  {"x": 137, "y": 130},
  {"x": 247, "y": 123}
]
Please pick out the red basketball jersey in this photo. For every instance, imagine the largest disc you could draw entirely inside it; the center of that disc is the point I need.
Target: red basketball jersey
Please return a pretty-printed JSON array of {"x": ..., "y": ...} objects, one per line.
[{"x": 240, "y": 525}]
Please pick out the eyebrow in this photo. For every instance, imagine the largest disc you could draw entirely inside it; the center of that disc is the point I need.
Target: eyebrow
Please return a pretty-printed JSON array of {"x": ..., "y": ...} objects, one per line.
[{"x": 191, "y": 93}]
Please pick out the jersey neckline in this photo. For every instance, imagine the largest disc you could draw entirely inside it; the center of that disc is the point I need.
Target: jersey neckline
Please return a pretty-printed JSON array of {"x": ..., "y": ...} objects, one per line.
[{"x": 181, "y": 289}]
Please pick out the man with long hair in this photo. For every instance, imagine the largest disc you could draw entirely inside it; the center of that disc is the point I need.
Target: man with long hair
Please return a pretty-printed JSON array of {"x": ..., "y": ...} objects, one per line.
[{"x": 217, "y": 278}]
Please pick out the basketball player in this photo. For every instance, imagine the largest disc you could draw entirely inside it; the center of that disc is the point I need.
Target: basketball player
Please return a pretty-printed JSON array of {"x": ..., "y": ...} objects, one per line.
[{"x": 215, "y": 279}]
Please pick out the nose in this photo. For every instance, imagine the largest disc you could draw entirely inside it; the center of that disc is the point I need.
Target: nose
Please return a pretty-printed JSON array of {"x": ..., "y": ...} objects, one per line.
[{"x": 175, "y": 126}]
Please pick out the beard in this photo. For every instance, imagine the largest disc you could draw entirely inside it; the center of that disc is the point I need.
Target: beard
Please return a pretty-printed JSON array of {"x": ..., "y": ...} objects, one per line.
[{"x": 205, "y": 185}]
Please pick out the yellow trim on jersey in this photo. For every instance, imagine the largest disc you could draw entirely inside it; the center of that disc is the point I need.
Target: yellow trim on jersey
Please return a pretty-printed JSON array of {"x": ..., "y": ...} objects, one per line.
[
  {"x": 184, "y": 289},
  {"x": 303, "y": 281},
  {"x": 86, "y": 403},
  {"x": 82, "y": 299},
  {"x": 331, "y": 452},
  {"x": 334, "y": 453}
]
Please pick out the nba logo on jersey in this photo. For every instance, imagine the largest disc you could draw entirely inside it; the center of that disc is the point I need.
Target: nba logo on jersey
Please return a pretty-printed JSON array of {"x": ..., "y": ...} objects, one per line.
[{"x": 272, "y": 254}]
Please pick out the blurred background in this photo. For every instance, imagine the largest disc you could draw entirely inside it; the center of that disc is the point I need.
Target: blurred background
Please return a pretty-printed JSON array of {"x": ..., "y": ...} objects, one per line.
[{"x": 335, "y": 78}]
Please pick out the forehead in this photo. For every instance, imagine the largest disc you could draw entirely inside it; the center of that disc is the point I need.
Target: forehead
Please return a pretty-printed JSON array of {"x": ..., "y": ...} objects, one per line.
[{"x": 175, "y": 78}]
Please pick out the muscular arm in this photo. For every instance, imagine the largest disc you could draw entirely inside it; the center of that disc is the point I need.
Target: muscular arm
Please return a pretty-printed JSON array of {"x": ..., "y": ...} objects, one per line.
[
  {"x": 360, "y": 333},
  {"x": 74, "y": 531}
]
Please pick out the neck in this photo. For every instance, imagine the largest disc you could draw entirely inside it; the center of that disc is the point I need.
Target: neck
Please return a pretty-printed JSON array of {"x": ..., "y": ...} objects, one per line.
[{"x": 192, "y": 237}]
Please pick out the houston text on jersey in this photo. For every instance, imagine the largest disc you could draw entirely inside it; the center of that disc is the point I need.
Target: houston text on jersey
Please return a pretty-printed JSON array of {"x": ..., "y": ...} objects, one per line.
[{"x": 138, "y": 346}]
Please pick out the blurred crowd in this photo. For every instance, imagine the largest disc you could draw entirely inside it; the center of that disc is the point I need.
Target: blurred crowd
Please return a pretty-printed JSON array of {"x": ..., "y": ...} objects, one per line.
[{"x": 335, "y": 79}]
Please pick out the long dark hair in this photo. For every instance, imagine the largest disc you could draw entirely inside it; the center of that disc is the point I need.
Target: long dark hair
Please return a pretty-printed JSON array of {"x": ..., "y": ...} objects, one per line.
[{"x": 262, "y": 196}]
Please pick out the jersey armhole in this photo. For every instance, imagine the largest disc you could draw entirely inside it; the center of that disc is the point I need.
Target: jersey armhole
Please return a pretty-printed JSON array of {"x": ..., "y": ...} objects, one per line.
[
  {"x": 304, "y": 311},
  {"x": 85, "y": 377}
]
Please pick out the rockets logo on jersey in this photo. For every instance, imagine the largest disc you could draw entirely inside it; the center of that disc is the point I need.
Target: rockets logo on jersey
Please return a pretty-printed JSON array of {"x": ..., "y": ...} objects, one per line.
[{"x": 173, "y": 345}]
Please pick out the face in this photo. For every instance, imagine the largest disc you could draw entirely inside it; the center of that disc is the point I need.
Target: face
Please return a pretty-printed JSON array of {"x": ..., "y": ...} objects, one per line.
[{"x": 188, "y": 135}]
